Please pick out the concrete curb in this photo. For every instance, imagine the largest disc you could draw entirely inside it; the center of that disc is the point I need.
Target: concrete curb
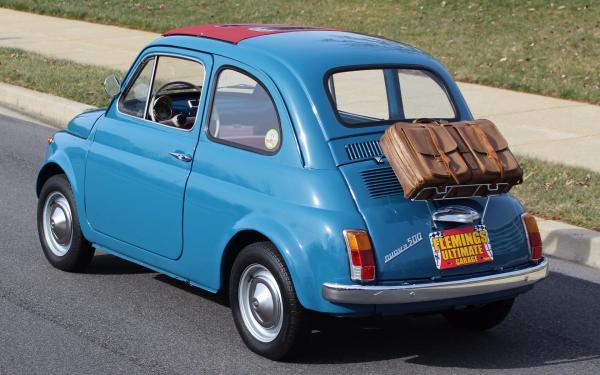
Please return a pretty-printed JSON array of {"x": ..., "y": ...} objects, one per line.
[
  {"x": 568, "y": 242},
  {"x": 560, "y": 240},
  {"x": 54, "y": 110}
]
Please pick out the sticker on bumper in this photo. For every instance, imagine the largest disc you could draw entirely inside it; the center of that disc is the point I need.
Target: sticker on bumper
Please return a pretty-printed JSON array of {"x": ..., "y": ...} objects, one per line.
[{"x": 461, "y": 247}]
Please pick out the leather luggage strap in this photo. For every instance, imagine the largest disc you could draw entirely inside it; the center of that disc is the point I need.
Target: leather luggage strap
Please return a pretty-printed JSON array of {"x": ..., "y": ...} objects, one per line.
[
  {"x": 445, "y": 159},
  {"x": 491, "y": 153}
]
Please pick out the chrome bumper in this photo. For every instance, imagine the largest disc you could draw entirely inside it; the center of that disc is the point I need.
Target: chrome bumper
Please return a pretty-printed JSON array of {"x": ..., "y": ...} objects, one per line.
[{"x": 413, "y": 293}]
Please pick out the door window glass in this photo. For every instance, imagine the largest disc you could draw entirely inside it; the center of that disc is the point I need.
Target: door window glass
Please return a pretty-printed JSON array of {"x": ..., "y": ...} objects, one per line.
[
  {"x": 176, "y": 91},
  {"x": 243, "y": 113},
  {"x": 133, "y": 102}
]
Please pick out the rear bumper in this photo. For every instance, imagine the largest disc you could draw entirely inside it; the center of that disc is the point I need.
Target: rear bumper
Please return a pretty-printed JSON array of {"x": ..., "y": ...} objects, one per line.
[{"x": 414, "y": 293}]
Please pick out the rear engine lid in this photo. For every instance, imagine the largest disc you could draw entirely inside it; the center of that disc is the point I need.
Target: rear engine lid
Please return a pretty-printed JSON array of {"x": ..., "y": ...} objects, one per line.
[{"x": 400, "y": 229}]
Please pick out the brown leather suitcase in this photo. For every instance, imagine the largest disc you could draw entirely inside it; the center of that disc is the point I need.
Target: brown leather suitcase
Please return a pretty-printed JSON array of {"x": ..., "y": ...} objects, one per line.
[
  {"x": 486, "y": 152},
  {"x": 423, "y": 155},
  {"x": 435, "y": 160}
]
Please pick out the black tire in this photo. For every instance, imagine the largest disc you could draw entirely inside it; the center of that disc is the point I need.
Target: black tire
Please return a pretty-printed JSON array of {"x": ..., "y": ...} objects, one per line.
[
  {"x": 291, "y": 338},
  {"x": 480, "y": 318},
  {"x": 78, "y": 251}
]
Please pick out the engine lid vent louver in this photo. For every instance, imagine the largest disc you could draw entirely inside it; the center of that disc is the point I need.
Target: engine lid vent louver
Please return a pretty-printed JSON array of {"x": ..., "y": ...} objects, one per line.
[
  {"x": 363, "y": 150},
  {"x": 381, "y": 182}
]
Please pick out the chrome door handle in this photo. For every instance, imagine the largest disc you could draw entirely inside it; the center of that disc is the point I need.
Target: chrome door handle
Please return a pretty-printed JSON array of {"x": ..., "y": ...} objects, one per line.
[{"x": 183, "y": 157}]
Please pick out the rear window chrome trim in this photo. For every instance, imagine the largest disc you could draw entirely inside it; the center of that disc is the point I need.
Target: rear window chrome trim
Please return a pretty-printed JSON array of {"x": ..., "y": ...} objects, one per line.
[{"x": 434, "y": 75}]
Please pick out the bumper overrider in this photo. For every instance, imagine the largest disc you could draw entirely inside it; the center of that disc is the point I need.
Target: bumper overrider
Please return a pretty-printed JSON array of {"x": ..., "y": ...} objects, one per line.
[{"x": 437, "y": 291}]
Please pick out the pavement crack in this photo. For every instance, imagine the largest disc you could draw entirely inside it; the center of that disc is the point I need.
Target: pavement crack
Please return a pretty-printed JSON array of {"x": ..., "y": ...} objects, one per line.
[{"x": 13, "y": 298}]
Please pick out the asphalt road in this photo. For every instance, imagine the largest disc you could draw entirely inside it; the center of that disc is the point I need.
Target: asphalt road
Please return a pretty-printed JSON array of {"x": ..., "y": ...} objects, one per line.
[{"x": 121, "y": 318}]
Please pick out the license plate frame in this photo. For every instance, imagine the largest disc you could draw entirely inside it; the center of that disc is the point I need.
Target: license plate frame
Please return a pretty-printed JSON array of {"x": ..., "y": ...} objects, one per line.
[{"x": 459, "y": 247}]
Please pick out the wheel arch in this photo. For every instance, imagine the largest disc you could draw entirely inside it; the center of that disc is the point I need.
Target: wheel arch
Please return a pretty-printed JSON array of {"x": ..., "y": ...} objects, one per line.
[
  {"x": 61, "y": 163},
  {"x": 48, "y": 170},
  {"x": 235, "y": 245},
  {"x": 287, "y": 247}
]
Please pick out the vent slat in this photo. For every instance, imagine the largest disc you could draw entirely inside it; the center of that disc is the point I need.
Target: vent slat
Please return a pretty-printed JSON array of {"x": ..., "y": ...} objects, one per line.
[
  {"x": 381, "y": 182},
  {"x": 382, "y": 185},
  {"x": 363, "y": 150},
  {"x": 377, "y": 176}
]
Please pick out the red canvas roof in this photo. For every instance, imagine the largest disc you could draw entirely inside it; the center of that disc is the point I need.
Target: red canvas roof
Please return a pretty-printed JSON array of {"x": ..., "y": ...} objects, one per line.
[{"x": 234, "y": 33}]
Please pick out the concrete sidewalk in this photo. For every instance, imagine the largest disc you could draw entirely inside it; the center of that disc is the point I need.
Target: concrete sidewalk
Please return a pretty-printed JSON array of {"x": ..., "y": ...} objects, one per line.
[
  {"x": 49, "y": 109},
  {"x": 548, "y": 128}
]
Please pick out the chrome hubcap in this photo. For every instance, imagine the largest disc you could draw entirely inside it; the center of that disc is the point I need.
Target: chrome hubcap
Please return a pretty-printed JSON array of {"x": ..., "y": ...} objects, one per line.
[
  {"x": 58, "y": 223},
  {"x": 260, "y": 303}
]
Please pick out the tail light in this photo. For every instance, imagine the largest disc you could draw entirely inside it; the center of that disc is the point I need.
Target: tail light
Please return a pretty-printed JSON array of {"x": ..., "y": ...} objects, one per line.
[
  {"x": 360, "y": 253},
  {"x": 533, "y": 236}
]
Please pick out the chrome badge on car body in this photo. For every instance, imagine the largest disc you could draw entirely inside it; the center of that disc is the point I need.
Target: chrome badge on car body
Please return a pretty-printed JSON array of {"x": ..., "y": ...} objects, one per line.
[{"x": 410, "y": 242}]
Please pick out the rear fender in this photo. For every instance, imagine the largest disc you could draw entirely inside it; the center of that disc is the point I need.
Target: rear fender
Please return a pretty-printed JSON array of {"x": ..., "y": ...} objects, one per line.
[{"x": 311, "y": 259}]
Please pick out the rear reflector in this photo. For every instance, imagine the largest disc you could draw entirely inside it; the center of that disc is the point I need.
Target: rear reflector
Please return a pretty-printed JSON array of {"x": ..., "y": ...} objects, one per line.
[
  {"x": 360, "y": 254},
  {"x": 533, "y": 236}
]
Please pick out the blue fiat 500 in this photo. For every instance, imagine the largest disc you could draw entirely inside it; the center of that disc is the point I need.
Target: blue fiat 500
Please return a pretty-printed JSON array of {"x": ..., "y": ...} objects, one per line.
[{"x": 245, "y": 159}]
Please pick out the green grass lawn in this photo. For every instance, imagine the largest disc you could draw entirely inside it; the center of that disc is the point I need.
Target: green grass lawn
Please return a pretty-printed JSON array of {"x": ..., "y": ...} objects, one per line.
[
  {"x": 557, "y": 192},
  {"x": 552, "y": 48},
  {"x": 82, "y": 83},
  {"x": 550, "y": 190}
]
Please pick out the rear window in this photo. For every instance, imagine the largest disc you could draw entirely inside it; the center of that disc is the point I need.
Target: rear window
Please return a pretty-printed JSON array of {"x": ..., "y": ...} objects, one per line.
[{"x": 375, "y": 96}]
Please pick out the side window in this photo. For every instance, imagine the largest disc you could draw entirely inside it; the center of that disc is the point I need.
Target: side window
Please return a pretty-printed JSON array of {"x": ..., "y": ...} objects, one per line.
[
  {"x": 243, "y": 113},
  {"x": 133, "y": 102},
  {"x": 172, "y": 94},
  {"x": 176, "y": 91}
]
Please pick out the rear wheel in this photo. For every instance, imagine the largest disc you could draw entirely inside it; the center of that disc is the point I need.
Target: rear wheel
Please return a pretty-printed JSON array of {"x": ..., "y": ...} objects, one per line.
[
  {"x": 58, "y": 227},
  {"x": 263, "y": 300},
  {"x": 480, "y": 318}
]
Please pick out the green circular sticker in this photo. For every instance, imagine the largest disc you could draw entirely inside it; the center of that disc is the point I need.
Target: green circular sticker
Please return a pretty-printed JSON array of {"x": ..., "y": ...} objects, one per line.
[{"x": 271, "y": 139}]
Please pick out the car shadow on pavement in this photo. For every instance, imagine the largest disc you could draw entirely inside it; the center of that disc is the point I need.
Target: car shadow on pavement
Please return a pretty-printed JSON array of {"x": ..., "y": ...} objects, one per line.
[
  {"x": 107, "y": 264},
  {"x": 219, "y": 298},
  {"x": 553, "y": 324}
]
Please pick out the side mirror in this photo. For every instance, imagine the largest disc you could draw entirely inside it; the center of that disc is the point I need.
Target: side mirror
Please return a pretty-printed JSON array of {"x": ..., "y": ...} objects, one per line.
[{"x": 112, "y": 86}]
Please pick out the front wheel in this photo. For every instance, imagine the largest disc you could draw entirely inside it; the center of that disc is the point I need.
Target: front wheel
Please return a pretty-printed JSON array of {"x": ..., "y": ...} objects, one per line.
[
  {"x": 263, "y": 300},
  {"x": 480, "y": 318},
  {"x": 58, "y": 227}
]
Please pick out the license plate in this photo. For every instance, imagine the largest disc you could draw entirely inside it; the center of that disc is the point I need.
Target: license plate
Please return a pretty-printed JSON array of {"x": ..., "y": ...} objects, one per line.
[{"x": 459, "y": 247}]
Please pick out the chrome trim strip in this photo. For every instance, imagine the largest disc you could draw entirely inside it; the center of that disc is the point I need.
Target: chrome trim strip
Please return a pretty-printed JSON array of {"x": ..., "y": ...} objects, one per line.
[
  {"x": 147, "y": 106},
  {"x": 413, "y": 293}
]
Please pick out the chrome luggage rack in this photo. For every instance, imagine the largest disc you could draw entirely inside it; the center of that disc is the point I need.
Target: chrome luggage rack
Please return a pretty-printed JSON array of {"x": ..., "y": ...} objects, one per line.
[{"x": 461, "y": 191}]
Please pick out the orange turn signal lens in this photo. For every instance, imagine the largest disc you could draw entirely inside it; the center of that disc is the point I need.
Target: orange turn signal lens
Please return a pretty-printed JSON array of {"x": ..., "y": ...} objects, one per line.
[
  {"x": 50, "y": 140},
  {"x": 360, "y": 254},
  {"x": 533, "y": 236}
]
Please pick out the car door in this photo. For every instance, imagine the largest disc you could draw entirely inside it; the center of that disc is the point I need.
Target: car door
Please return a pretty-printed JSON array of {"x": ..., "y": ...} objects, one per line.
[{"x": 141, "y": 156}]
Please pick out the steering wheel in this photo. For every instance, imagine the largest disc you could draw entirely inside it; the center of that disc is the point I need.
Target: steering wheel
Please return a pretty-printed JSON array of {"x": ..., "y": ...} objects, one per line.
[
  {"x": 161, "y": 105},
  {"x": 174, "y": 83}
]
